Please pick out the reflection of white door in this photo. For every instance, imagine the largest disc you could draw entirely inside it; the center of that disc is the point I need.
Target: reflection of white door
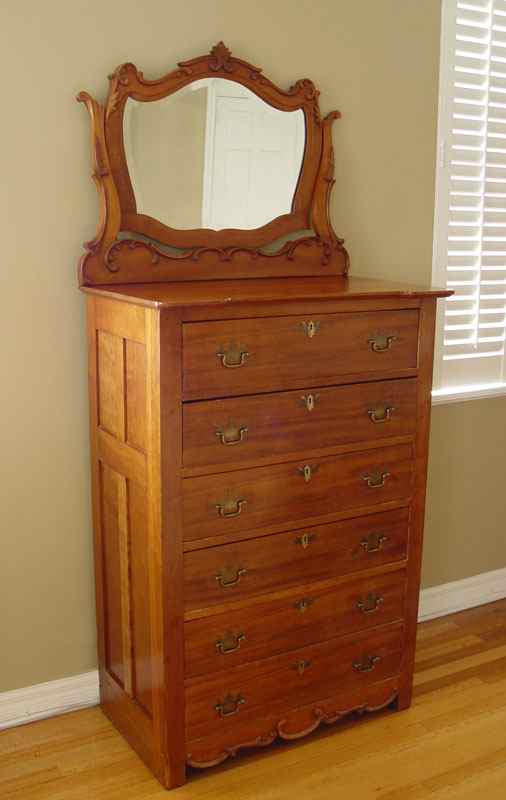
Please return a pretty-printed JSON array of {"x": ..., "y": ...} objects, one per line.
[{"x": 252, "y": 160}]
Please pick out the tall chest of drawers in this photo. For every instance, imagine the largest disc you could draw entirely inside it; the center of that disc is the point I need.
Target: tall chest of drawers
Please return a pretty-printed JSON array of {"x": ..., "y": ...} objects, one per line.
[{"x": 259, "y": 459}]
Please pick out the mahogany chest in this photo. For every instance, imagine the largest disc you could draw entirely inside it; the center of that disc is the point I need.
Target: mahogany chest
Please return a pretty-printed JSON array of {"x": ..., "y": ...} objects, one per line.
[{"x": 259, "y": 467}]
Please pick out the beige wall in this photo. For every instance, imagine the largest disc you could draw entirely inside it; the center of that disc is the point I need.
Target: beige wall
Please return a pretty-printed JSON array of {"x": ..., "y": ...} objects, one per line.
[
  {"x": 156, "y": 171},
  {"x": 376, "y": 60}
]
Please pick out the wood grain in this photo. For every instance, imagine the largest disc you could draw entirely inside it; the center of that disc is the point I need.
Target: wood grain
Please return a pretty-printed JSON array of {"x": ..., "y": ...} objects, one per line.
[
  {"x": 281, "y": 493},
  {"x": 281, "y": 560},
  {"x": 279, "y": 684},
  {"x": 238, "y": 430},
  {"x": 447, "y": 746},
  {"x": 280, "y": 354},
  {"x": 301, "y": 617}
]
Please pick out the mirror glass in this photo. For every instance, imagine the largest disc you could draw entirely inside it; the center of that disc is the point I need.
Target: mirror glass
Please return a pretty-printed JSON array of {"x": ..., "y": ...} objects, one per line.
[{"x": 213, "y": 155}]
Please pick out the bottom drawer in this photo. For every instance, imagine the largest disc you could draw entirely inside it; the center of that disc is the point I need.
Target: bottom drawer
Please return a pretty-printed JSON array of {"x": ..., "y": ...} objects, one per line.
[
  {"x": 292, "y": 679},
  {"x": 293, "y": 724}
]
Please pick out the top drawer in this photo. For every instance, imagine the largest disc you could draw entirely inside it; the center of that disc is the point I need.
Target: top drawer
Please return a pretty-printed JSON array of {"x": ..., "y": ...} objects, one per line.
[{"x": 257, "y": 355}]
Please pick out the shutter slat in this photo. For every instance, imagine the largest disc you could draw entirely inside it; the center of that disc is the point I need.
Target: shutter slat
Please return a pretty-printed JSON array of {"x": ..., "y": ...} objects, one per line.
[{"x": 472, "y": 244}]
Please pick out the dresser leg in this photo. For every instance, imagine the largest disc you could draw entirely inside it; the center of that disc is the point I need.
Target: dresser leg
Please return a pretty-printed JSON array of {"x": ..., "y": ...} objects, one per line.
[{"x": 404, "y": 698}]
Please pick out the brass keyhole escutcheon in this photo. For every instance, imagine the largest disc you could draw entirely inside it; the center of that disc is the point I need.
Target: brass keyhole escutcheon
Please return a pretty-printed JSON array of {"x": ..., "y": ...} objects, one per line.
[
  {"x": 311, "y": 327},
  {"x": 301, "y": 666},
  {"x": 307, "y": 471},
  {"x": 303, "y": 604},
  {"x": 309, "y": 401},
  {"x": 305, "y": 540}
]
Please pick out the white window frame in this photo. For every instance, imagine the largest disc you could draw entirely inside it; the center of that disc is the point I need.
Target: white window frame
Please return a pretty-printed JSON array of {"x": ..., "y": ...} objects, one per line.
[{"x": 440, "y": 393}]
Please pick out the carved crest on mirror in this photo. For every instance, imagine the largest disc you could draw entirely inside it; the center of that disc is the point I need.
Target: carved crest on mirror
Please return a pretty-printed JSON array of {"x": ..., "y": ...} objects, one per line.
[{"x": 210, "y": 172}]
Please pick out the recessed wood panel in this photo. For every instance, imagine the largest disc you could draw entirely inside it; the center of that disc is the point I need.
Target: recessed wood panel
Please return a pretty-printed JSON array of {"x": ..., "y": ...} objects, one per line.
[
  {"x": 135, "y": 393},
  {"x": 139, "y": 577},
  {"x": 111, "y": 501},
  {"x": 110, "y": 380}
]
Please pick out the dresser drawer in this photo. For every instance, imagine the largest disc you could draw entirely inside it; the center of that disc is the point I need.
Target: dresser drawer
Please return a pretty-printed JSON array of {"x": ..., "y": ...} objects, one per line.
[
  {"x": 243, "y": 570},
  {"x": 292, "y": 723},
  {"x": 220, "y": 432},
  {"x": 287, "y": 493},
  {"x": 299, "y": 618},
  {"x": 257, "y": 355},
  {"x": 293, "y": 678}
]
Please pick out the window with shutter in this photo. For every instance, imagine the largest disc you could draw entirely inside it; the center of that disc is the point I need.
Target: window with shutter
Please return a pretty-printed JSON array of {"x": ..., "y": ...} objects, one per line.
[{"x": 470, "y": 220}]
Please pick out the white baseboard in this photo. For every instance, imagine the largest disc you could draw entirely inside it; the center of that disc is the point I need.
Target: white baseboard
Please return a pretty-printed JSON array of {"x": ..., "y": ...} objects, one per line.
[
  {"x": 438, "y": 601},
  {"x": 20, "y": 706},
  {"x": 31, "y": 703}
]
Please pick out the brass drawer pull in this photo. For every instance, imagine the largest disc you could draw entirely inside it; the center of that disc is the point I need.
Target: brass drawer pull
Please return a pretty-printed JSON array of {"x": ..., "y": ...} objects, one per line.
[
  {"x": 301, "y": 666},
  {"x": 381, "y": 414},
  {"x": 375, "y": 480},
  {"x": 367, "y": 664},
  {"x": 308, "y": 471},
  {"x": 230, "y": 436},
  {"x": 303, "y": 605},
  {"x": 230, "y": 643},
  {"x": 309, "y": 401},
  {"x": 371, "y": 603},
  {"x": 232, "y": 358},
  {"x": 230, "y": 705},
  {"x": 381, "y": 343},
  {"x": 232, "y": 508},
  {"x": 311, "y": 327},
  {"x": 373, "y": 543},
  {"x": 305, "y": 540},
  {"x": 228, "y": 577}
]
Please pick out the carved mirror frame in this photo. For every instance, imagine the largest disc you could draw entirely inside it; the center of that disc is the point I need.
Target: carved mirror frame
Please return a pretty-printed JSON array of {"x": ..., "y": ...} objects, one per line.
[{"x": 130, "y": 247}]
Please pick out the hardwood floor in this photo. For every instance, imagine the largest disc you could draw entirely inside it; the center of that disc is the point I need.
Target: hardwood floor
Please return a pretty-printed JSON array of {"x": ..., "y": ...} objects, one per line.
[{"x": 450, "y": 744}]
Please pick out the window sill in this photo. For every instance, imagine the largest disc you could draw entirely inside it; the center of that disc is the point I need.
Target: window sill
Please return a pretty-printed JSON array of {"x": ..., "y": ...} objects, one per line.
[{"x": 460, "y": 395}]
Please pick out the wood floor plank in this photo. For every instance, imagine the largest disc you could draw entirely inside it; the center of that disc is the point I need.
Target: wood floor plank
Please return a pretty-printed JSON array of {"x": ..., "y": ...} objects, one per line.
[{"x": 450, "y": 745}]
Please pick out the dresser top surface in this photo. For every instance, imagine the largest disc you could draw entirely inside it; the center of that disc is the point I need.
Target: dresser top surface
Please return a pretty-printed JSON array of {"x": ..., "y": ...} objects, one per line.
[{"x": 222, "y": 293}]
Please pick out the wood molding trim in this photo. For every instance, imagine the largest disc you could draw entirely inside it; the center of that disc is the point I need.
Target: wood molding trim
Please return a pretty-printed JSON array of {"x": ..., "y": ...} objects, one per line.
[
  {"x": 448, "y": 598},
  {"x": 49, "y": 699}
]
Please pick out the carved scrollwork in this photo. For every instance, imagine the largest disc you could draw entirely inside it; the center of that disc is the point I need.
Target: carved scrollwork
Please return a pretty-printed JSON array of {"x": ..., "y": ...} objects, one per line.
[
  {"x": 110, "y": 259},
  {"x": 119, "y": 81},
  {"x": 113, "y": 252},
  {"x": 282, "y": 730},
  {"x": 221, "y": 58},
  {"x": 156, "y": 255}
]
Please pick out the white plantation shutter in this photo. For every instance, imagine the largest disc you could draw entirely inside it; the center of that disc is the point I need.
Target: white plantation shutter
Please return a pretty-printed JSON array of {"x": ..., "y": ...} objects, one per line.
[{"x": 470, "y": 224}]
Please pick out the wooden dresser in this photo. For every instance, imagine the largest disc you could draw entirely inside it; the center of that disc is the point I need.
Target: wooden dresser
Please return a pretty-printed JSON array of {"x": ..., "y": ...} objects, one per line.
[{"x": 259, "y": 430}]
